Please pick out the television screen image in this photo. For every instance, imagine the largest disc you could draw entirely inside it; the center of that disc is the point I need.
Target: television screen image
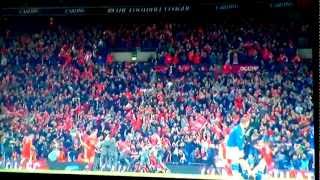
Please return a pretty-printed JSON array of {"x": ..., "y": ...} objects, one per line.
[{"x": 218, "y": 99}]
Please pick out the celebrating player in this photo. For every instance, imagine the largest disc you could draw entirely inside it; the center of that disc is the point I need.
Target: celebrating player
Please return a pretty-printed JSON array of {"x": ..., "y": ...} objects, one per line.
[{"x": 235, "y": 147}]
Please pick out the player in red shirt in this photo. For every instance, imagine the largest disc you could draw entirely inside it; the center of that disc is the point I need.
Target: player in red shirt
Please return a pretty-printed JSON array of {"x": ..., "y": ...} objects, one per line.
[
  {"x": 89, "y": 143},
  {"x": 27, "y": 151},
  {"x": 266, "y": 163}
]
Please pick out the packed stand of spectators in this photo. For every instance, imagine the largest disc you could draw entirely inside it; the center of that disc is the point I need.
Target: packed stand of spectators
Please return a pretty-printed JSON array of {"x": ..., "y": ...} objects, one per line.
[{"x": 64, "y": 99}]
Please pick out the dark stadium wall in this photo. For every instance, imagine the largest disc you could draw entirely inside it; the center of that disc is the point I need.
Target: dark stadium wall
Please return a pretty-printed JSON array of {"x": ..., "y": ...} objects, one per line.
[
  {"x": 200, "y": 12},
  {"x": 80, "y": 21},
  {"x": 59, "y": 3},
  {"x": 304, "y": 4}
]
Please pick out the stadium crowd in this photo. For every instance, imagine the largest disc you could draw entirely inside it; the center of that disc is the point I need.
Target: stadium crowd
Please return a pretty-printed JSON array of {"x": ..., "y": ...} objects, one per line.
[{"x": 64, "y": 99}]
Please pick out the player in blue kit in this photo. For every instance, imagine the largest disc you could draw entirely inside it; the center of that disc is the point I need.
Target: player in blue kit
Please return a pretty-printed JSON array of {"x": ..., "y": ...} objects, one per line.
[{"x": 235, "y": 144}]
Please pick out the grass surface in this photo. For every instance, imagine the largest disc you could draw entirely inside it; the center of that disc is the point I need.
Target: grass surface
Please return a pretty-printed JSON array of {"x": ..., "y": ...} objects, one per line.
[
  {"x": 106, "y": 173},
  {"x": 130, "y": 174}
]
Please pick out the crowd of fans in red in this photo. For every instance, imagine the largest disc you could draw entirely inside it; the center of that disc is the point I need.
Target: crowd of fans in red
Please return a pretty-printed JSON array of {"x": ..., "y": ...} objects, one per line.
[{"x": 61, "y": 91}]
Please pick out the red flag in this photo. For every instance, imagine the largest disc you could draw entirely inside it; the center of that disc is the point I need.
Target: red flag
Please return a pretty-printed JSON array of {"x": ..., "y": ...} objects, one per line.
[
  {"x": 196, "y": 58},
  {"x": 190, "y": 56},
  {"x": 175, "y": 59},
  {"x": 109, "y": 59},
  {"x": 227, "y": 68},
  {"x": 168, "y": 59}
]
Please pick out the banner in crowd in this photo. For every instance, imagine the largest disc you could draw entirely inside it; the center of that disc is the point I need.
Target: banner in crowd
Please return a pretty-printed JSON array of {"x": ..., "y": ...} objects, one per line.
[
  {"x": 305, "y": 53},
  {"x": 186, "y": 169},
  {"x": 107, "y": 10},
  {"x": 66, "y": 166},
  {"x": 127, "y": 56},
  {"x": 282, "y": 4},
  {"x": 244, "y": 68},
  {"x": 219, "y": 7},
  {"x": 149, "y": 9},
  {"x": 238, "y": 68},
  {"x": 168, "y": 9}
]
